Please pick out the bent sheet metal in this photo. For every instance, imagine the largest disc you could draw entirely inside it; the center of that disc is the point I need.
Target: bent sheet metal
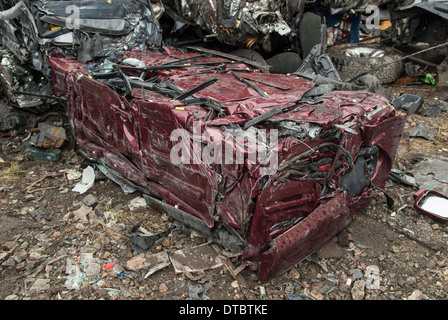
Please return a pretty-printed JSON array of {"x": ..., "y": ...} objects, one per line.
[{"x": 305, "y": 170}]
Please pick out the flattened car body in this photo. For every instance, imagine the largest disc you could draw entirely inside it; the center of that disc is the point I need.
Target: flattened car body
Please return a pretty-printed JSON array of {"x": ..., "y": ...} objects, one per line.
[{"x": 163, "y": 128}]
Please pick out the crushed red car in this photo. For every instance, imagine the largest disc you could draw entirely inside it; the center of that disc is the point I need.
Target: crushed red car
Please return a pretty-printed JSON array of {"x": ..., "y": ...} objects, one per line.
[{"x": 253, "y": 161}]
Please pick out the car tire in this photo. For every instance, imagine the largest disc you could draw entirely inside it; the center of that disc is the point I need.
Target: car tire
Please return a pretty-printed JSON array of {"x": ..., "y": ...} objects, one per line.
[
  {"x": 249, "y": 55},
  {"x": 284, "y": 63},
  {"x": 351, "y": 60}
]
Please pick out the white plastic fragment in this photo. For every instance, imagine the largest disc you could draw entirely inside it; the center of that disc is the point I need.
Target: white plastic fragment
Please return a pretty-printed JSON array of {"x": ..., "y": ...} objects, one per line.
[
  {"x": 72, "y": 174},
  {"x": 134, "y": 62},
  {"x": 137, "y": 203},
  {"x": 88, "y": 179}
]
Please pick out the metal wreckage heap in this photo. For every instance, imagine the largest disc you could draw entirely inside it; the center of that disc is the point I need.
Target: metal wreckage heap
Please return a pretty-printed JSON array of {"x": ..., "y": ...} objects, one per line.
[{"x": 126, "y": 94}]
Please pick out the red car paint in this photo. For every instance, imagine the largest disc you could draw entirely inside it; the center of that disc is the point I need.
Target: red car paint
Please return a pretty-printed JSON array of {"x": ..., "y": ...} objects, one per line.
[{"x": 281, "y": 217}]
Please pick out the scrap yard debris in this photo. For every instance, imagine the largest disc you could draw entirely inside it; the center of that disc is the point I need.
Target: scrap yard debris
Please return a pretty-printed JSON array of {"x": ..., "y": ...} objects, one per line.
[{"x": 264, "y": 127}]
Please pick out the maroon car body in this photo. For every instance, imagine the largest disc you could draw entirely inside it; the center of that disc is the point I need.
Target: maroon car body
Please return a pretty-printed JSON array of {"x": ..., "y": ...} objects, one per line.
[{"x": 277, "y": 218}]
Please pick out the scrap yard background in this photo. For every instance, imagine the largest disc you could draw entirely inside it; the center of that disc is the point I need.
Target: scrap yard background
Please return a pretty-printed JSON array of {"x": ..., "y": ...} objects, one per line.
[{"x": 57, "y": 243}]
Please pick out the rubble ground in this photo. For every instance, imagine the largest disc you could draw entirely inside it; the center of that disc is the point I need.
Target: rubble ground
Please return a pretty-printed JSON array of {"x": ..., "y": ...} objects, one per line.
[{"x": 57, "y": 244}]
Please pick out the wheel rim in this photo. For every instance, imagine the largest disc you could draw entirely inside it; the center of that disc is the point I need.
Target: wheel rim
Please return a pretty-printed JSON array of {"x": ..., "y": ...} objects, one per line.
[{"x": 364, "y": 52}]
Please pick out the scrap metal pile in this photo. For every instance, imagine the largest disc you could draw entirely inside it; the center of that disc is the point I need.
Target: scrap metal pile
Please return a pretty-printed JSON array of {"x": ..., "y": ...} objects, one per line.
[
  {"x": 281, "y": 34},
  {"x": 269, "y": 165},
  {"x": 83, "y": 30}
]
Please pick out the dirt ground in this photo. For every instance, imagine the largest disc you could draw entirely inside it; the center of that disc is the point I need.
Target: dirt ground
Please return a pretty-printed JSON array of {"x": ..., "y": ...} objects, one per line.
[{"x": 383, "y": 254}]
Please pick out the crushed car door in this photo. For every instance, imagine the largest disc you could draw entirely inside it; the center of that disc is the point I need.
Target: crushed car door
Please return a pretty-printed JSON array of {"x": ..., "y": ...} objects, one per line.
[{"x": 192, "y": 186}]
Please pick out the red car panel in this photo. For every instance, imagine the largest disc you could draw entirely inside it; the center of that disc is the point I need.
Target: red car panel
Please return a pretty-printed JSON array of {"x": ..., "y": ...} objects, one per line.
[{"x": 322, "y": 178}]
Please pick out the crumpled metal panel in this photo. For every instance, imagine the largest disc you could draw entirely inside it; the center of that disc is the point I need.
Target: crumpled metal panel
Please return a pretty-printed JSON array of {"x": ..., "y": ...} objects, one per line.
[
  {"x": 439, "y": 8},
  {"x": 102, "y": 28},
  {"x": 234, "y": 21},
  {"x": 82, "y": 30},
  {"x": 279, "y": 216},
  {"x": 300, "y": 241}
]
